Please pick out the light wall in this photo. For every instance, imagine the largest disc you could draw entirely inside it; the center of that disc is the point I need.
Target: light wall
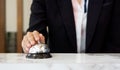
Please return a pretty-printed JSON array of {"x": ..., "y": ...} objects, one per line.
[
  {"x": 11, "y": 15},
  {"x": 27, "y": 5}
]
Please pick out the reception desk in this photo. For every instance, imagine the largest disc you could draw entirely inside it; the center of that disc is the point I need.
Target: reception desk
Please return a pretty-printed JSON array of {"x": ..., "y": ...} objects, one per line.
[{"x": 61, "y": 61}]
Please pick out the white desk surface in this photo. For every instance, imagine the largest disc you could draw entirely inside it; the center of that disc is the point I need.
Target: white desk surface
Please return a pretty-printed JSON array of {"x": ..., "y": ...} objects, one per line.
[
  {"x": 61, "y": 58},
  {"x": 61, "y": 61}
]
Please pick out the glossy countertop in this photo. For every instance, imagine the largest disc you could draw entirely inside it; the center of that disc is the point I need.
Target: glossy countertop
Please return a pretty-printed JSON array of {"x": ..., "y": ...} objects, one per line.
[{"x": 61, "y": 61}]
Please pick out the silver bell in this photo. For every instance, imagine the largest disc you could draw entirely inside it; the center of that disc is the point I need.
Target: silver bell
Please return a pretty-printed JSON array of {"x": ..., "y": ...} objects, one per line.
[{"x": 39, "y": 51}]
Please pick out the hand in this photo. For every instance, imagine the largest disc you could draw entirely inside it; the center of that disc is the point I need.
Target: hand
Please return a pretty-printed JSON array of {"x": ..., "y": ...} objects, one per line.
[{"x": 30, "y": 39}]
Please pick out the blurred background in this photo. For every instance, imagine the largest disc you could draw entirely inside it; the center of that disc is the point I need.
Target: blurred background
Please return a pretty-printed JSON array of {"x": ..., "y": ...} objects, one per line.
[{"x": 14, "y": 21}]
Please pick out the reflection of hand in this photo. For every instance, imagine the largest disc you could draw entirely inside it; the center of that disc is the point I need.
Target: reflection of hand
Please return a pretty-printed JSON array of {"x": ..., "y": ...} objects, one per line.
[{"x": 30, "y": 39}]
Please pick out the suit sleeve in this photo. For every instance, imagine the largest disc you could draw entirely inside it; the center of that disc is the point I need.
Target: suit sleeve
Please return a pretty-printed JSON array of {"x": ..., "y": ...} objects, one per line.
[{"x": 38, "y": 19}]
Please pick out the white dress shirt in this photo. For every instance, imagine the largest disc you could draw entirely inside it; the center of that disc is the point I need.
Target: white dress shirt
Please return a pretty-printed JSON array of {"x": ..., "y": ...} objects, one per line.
[{"x": 80, "y": 17}]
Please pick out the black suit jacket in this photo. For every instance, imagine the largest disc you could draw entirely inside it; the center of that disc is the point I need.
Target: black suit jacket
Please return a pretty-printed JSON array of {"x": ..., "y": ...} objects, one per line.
[{"x": 103, "y": 25}]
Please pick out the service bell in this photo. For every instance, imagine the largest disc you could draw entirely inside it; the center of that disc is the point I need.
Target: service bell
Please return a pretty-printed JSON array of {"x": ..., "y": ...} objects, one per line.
[{"x": 39, "y": 51}]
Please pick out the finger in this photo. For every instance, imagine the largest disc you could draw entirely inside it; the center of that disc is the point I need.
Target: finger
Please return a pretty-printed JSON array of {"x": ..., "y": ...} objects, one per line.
[
  {"x": 25, "y": 49},
  {"x": 42, "y": 38},
  {"x": 36, "y": 35},
  {"x": 30, "y": 37},
  {"x": 27, "y": 43}
]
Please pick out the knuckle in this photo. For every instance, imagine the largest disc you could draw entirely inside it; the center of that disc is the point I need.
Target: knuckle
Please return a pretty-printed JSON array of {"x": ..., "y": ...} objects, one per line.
[
  {"x": 35, "y": 31},
  {"x": 29, "y": 33},
  {"x": 41, "y": 35}
]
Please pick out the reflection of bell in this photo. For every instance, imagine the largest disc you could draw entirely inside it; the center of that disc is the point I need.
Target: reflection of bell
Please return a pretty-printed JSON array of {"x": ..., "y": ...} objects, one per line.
[{"x": 39, "y": 51}]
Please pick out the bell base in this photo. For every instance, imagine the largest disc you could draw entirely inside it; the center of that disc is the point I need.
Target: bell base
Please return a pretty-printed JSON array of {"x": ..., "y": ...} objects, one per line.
[{"x": 38, "y": 55}]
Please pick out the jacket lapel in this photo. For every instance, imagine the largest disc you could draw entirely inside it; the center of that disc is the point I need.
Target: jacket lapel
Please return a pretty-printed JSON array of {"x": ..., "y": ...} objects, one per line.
[
  {"x": 94, "y": 9},
  {"x": 66, "y": 10}
]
